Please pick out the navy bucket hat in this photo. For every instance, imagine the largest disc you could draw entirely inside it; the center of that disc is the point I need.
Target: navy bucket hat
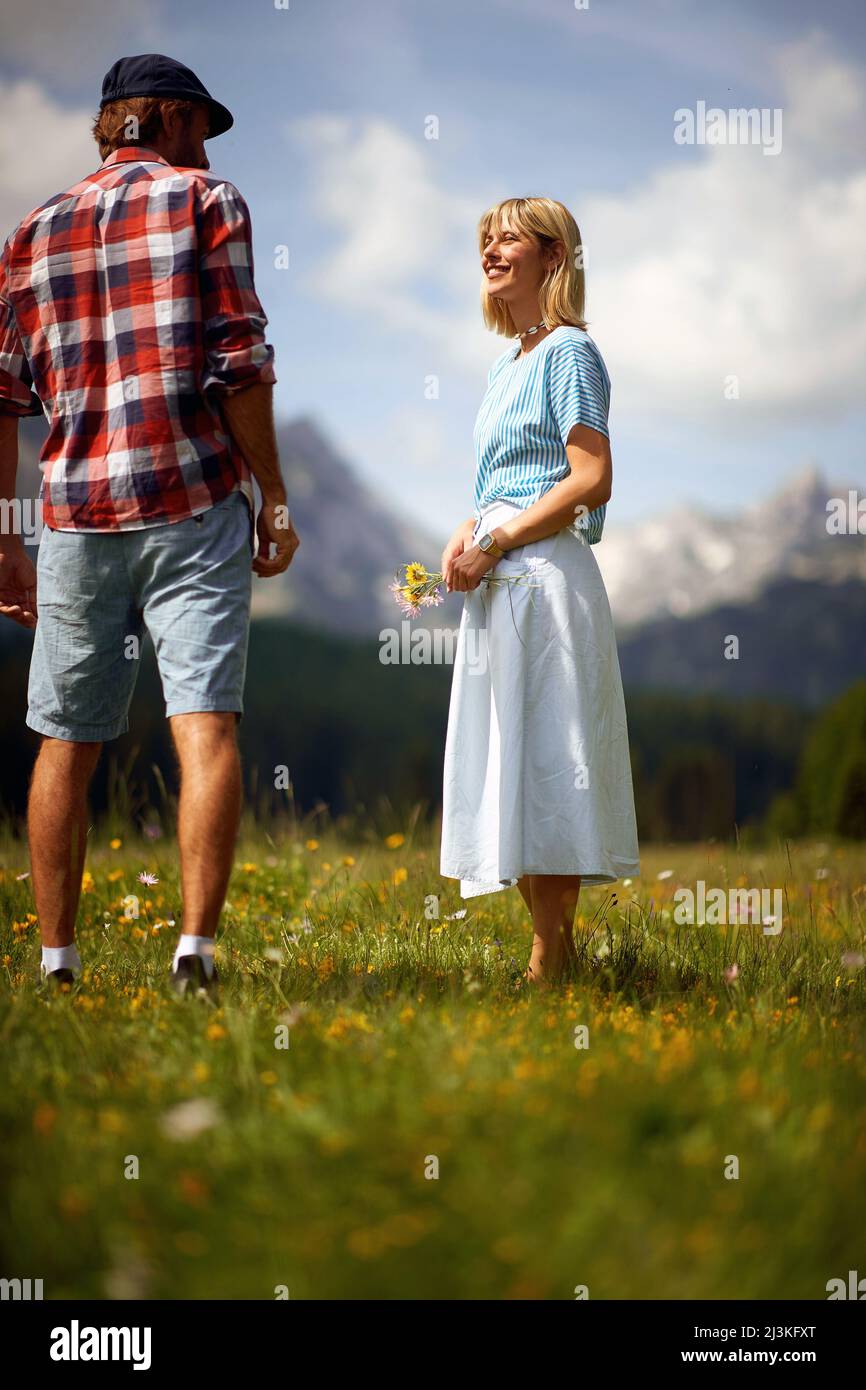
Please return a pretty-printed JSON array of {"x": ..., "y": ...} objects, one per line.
[{"x": 154, "y": 75}]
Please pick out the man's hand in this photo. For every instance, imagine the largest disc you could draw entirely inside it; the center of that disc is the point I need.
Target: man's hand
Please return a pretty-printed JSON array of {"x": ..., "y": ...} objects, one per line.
[
  {"x": 468, "y": 570},
  {"x": 17, "y": 582},
  {"x": 274, "y": 527}
]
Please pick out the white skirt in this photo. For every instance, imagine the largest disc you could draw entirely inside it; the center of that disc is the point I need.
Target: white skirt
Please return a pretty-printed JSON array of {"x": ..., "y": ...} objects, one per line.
[{"x": 537, "y": 776}]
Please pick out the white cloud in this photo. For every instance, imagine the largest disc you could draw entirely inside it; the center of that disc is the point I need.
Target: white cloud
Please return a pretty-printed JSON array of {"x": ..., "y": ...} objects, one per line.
[
  {"x": 740, "y": 263},
  {"x": 404, "y": 247},
  {"x": 44, "y": 147},
  {"x": 722, "y": 262}
]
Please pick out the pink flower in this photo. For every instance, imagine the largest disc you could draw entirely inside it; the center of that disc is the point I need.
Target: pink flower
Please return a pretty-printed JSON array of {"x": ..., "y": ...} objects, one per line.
[
  {"x": 149, "y": 879},
  {"x": 732, "y": 972}
]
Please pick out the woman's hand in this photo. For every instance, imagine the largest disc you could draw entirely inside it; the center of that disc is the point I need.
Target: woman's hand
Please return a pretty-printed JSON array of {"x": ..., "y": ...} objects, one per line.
[
  {"x": 468, "y": 570},
  {"x": 456, "y": 546}
]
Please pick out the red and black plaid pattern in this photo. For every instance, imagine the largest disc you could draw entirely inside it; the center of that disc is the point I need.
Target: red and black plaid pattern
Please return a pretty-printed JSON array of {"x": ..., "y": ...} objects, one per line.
[{"x": 127, "y": 307}]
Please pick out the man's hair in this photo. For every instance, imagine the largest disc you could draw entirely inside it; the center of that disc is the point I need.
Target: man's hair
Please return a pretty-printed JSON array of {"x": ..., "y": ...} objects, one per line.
[{"x": 135, "y": 121}]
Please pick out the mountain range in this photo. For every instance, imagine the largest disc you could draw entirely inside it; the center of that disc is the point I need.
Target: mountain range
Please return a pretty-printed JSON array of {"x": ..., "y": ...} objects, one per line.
[{"x": 680, "y": 583}]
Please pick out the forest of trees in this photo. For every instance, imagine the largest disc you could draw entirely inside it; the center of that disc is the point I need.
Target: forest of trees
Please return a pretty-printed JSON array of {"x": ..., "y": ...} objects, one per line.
[{"x": 366, "y": 740}]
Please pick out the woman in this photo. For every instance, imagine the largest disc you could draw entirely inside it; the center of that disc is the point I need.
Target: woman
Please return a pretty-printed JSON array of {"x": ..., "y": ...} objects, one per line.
[{"x": 537, "y": 784}]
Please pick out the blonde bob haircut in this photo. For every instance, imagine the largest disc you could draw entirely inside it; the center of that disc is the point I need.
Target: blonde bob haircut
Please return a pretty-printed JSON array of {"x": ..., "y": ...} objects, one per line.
[{"x": 562, "y": 293}]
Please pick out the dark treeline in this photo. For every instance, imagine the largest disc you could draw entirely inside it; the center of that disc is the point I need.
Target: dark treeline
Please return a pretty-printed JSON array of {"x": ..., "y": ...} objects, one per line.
[{"x": 365, "y": 740}]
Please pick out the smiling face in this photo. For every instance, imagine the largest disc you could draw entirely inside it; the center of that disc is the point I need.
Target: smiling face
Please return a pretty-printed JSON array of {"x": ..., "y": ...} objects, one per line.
[
  {"x": 513, "y": 265},
  {"x": 531, "y": 269}
]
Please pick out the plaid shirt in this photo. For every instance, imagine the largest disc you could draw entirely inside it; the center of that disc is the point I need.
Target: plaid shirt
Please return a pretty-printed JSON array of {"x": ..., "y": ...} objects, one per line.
[{"x": 127, "y": 307}]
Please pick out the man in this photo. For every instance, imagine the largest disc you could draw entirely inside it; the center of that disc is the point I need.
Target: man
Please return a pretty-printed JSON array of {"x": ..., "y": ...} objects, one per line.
[{"x": 128, "y": 312}]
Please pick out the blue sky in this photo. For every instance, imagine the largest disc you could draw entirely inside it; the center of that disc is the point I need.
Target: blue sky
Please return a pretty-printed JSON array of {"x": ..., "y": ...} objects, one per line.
[{"x": 703, "y": 263}]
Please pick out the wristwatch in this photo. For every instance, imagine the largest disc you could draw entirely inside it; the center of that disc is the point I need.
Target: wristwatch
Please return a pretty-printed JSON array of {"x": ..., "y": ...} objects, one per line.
[{"x": 489, "y": 546}]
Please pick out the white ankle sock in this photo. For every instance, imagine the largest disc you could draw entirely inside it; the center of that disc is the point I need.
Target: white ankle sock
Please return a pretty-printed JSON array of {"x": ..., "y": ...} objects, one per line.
[
  {"x": 201, "y": 946},
  {"x": 61, "y": 958}
]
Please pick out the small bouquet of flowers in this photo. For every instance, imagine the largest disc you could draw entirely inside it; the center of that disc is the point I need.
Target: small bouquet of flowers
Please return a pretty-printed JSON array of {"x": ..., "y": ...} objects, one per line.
[{"x": 416, "y": 587}]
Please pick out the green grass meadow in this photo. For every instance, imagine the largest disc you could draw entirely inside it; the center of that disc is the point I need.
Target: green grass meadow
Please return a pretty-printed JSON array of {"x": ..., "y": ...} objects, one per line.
[{"x": 429, "y": 1128}]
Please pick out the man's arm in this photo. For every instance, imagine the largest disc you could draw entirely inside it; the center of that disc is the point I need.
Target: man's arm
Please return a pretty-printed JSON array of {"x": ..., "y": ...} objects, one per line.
[
  {"x": 17, "y": 571},
  {"x": 249, "y": 418},
  {"x": 239, "y": 370}
]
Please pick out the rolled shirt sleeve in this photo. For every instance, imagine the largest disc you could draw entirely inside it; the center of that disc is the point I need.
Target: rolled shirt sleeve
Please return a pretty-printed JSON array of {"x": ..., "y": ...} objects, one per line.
[
  {"x": 234, "y": 322},
  {"x": 17, "y": 396},
  {"x": 578, "y": 386}
]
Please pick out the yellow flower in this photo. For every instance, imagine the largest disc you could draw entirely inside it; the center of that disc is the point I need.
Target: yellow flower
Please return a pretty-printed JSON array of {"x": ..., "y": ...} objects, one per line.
[
  {"x": 395, "y": 841},
  {"x": 416, "y": 573},
  {"x": 268, "y": 1078},
  {"x": 348, "y": 860},
  {"x": 115, "y": 875},
  {"x": 400, "y": 876},
  {"x": 250, "y": 868},
  {"x": 115, "y": 843},
  {"x": 312, "y": 844},
  {"x": 87, "y": 882},
  {"x": 215, "y": 1031}
]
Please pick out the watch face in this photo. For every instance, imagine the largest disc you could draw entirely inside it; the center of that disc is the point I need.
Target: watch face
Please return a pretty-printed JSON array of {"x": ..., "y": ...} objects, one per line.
[{"x": 486, "y": 541}]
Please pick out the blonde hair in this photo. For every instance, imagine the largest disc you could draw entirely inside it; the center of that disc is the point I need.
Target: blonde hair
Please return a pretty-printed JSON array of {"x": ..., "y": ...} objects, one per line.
[
  {"x": 561, "y": 296},
  {"x": 111, "y": 125}
]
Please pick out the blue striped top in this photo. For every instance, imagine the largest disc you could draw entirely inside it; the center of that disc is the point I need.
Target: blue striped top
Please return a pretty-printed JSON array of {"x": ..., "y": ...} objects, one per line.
[{"x": 528, "y": 411}]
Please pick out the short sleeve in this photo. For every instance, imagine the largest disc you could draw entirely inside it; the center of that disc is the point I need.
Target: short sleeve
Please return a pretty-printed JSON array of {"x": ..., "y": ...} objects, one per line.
[
  {"x": 17, "y": 396},
  {"x": 578, "y": 387}
]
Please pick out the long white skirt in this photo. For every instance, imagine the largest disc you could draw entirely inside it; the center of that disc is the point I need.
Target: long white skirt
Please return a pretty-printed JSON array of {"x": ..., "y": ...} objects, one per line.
[{"x": 537, "y": 777}]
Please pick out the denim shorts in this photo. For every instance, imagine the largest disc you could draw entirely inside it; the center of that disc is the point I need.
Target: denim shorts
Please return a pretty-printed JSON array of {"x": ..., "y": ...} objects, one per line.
[{"x": 187, "y": 583}]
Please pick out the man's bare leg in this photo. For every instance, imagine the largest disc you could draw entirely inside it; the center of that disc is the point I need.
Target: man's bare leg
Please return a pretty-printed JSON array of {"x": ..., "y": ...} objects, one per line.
[
  {"x": 554, "y": 902},
  {"x": 57, "y": 831},
  {"x": 209, "y": 813}
]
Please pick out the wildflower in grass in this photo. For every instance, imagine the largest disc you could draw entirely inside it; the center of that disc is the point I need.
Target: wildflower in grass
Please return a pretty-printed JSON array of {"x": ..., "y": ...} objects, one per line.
[
  {"x": 400, "y": 876},
  {"x": 312, "y": 845},
  {"x": 20, "y": 877},
  {"x": 87, "y": 882},
  {"x": 190, "y": 1118},
  {"x": 193, "y": 1189},
  {"x": 665, "y": 873},
  {"x": 348, "y": 861},
  {"x": 44, "y": 1117},
  {"x": 115, "y": 843},
  {"x": 215, "y": 1031},
  {"x": 293, "y": 1014},
  {"x": 731, "y": 973},
  {"x": 456, "y": 916},
  {"x": 149, "y": 879},
  {"x": 268, "y": 1078},
  {"x": 853, "y": 960},
  {"x": 249, "y": 868}
]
